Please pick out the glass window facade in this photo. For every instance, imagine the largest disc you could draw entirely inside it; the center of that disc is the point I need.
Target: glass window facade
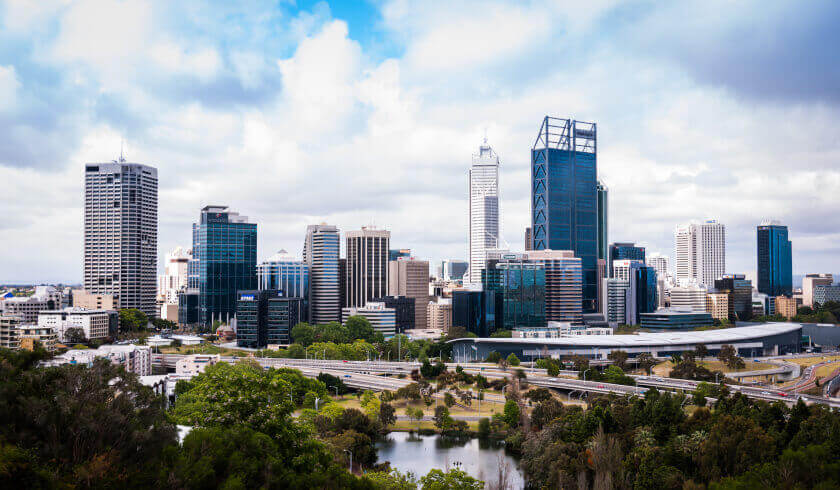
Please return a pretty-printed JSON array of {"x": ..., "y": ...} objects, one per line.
[
  {"x": 564, "y": 196},
  {"x": 775, "y": 270},
  {"x": 624, "y": 251},
  {"x": 520, "y": 293},
  {"x": 288, "y": 275},
  {"x": 265, "y": 317}
]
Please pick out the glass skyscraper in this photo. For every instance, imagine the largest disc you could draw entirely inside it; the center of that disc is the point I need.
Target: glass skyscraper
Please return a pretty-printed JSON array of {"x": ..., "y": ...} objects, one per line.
[
  {"x": 224, "y": 262},
  {"x": 321, "y": 252},
  {"x": 520, "y": 289},
  {"x": 285, "y": 272},
  {"x": 775, "y": 271},
  {"x": 564, "y": 195},
  {"x": 624, "y": 251},
  {"x": 603, "y": 222}
]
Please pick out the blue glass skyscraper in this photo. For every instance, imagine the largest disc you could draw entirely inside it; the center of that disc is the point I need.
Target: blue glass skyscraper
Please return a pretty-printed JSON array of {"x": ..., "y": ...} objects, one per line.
[
  {"x": 624, "y": 251},
  {"x": 775, "y": 270},
  {"x": 224, "y": 262},
  {"x": 285, "y": 272},
  {"x": 564, "y": 195}
]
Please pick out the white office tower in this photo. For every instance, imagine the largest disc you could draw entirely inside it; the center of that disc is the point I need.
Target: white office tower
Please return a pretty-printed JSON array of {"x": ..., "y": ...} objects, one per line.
[
  {"x": 174, "y": 278},
  {"x": 121, "y": 227},
  {"x": 321, "y": 252},
  {"x": 660, "y": 264},
  {"x": 689, "y": 297},
  {"x": 367, "y": 265},
  {"x": 700, "y": 253},
  {"x": 484, "y": 209},
  {"x": 615, "y": 292},
  {"x": 623, "y": 268}
]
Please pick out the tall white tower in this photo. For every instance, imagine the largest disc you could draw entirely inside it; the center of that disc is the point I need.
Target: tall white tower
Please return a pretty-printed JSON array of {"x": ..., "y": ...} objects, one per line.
[
  {"x": 484, "y": 209},
  {"x": 700, "y": 252}
]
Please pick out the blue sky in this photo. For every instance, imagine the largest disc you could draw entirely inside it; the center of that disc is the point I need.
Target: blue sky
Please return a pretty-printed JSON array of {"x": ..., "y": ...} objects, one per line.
[{"x": 368, "y": 112}]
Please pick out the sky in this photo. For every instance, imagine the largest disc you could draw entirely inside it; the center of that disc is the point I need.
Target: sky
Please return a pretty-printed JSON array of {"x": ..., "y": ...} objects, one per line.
[{"x": 368, "y": 112}]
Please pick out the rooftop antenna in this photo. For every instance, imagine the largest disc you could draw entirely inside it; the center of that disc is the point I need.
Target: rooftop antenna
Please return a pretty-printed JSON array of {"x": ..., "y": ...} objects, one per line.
[
  {"x": 485, "y": 135},
  {"x": 122, "y": 159}
]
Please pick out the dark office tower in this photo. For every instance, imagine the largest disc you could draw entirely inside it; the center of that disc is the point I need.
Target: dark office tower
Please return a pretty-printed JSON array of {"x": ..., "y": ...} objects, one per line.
[
  {"x": 529, "y": 242},
  {"x": 564, "y": 195},
  {"x": 367, "y": 265},
  {"x": 739, "y": 290},
  {"x": 266, "y": 317},
  {"x": 321, "y": 252},
  {"x": 520, "y": 288},
  {"x": 403, "y": 312},
  {"x": 603, "y": 224},
  {"x": 775, "y": 272},
  {"x": 342, "y": 282},
  {"x": 475, "y": 311},
  {"x": 624, "y": 251},
  {"x": 642, "y": 293},
  {"x": 224, "y": 262},
  {"x": 121, "y": 227}
]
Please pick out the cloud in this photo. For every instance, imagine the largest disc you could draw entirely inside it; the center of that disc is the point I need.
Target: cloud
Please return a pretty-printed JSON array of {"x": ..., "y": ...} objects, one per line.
[{"x": 9, "y": 85}]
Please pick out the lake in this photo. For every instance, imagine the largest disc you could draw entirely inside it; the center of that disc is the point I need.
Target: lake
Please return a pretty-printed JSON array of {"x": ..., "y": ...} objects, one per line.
[{"x": 419, "y": 454}]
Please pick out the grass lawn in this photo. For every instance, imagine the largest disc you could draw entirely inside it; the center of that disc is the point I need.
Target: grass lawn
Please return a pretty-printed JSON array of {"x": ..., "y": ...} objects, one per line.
[
  {"x": 204, "y": 349},
  {"x": 664, "y": 368},
  {"x": 810, "y": 361}
]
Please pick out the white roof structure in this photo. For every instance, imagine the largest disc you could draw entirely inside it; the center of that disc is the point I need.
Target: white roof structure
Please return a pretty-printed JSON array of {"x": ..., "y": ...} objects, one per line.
[{"x": 644, "y": 339}]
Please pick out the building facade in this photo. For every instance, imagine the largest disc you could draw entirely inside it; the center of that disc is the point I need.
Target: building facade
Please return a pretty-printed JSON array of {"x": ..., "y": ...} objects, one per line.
[
  {"x": 95, "y": 324},
  {"x": 120, "y": 233},
  {"x": 519, "y": 287},
  {"x": 641, "y": 295},
  {"x": 26, "y": 308},
  {"x": 266, "y": 317},
  {"x": 690, "y": 298},
  {"x": 404, "y": 317},
  {"x": 809, "y": 282},
  {"x": 285, "y": 272},
  {"x": 563, "y": 284},
  {"x": 321, "y": 251},
  {"x": 84, "y": 299},
  {"x": 824, "y": 294},
  {"x": 785, "y": 306},
  {"x": 382, "y": 318},
  {"x": 675, "y": 319},
  {"x": 475, "y": 311},
  {"x": 9, "y": 334},
  {"x": 739, "y": 290},
  {"x": 484, "y": 209},
  {"x": 775, "y": 269},
  {"x": 614, "y": 298},
  {"x": 717, "y": 305},
  {"x": 367, "y": 265},
  {"x": 700, "y": 252},
  {"x": 660, "y": 264},
  {"x": 624, "y": 251},
  {"x": 410, "y": 278},
  {"x": 453, "y": 270},
  {"x": 603, "y": 221},
  {"x": 440, "y": 314},
  {"x": 175, "y": 276},
  {"x": 564, "y": 195}
]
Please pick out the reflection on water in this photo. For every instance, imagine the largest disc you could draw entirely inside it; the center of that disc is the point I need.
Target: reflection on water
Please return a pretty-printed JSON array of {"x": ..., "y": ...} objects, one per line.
[{"x": 479, "y": 458}]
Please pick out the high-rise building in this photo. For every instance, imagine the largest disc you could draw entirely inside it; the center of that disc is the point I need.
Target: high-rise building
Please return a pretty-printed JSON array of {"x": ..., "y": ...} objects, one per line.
[
  {"x": 603, "y": 220},
  {"x": 394, "y": 254},
  {"x": 410, "y": 278},
  {"x": 175, "y": 275},
  {"x": 785, "y": 306},
  {"x": 563, "y": 284},
  {"x": 484, "y": 209},
  {"x": 321, "y": 252},
  {"x": 9, "y": 333},
  {"x": 475, "y": 311},
  {"x": 564, "y": 195},
  {"x": 519, "y": 286},
  {"x": 700, "y": 252},
  {"x": 367, "y": 265},
  {"x": 266, "y": 317},
  {"x": 641, "y": 295},
  {"x": 775, "y": 272},
  {"x": 689, "y": 297},
  {"x": 529, "y": 242},
  {"x": 381, "y": 318},
  {"x": 121, "y": 227},
  {"x": 809, "y": 282},
  {"x": 224, "y": 261},
  {"x": 403, "y": 312},
  {"x": 739, "y": 290},
  {"x": 440, "y": 314},
  {"x": 453, "y": 270},
  {"x": 717, "y": 305},
  {"x": 285, "y": 272},
  {"x": 623, "y": 268},
  {"x": 624, "y": 251},
  {"x": 659, "y": 263},
  {"x": 614, "y": 299}
]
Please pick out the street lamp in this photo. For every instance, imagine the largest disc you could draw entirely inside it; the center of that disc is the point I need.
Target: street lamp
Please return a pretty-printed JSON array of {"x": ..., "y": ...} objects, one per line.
[
  {"x": 336, "y": 391},
  {"x": 584, "y": 373}
]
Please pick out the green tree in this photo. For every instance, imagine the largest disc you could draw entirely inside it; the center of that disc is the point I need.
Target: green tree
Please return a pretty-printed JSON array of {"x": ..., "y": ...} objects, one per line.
[
  {"x": 303, "y": 334},
  {"x": 453, "y": 479},
  {"x": 448, "y": 399},
  {"x": 359, "y": 327},
  {"x": 512, "y": 360},
  {"x": 646, "y": 362},
  {"x": 442, "y": 419},
  {"x": 511, "y": 413},
  {"x": 133, "y": 320},
  {"x": 619, "y": 358},
  {"x": 74, "y": 335},
  {"x": 387, "y": 414},
  {"x": 494, "y": 357}
]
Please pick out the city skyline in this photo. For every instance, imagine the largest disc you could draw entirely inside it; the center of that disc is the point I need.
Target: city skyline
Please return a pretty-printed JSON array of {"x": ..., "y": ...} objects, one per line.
[{"x": 403, "y": 121}]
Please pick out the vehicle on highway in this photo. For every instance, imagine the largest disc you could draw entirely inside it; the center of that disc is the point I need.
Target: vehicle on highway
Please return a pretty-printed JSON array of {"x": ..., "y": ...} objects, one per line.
[
  {"x": 347, "y": 376},
  {"x": 765, "y": 392},
  {"x": 781, "y": 393},
  {"x": 601, "y": 386}
]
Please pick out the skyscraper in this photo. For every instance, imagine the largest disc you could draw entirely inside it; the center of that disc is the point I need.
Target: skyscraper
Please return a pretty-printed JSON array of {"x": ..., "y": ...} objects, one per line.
[
  {"x": 174, "y": 278},
  {"x": 288, "y": 274},
  {"x": 321, "y": 250},
  {"x": 224, "y": 262},
  {"x": 622, "y": 251},
  {"x": 563, "y": 284},
  {"x": 121, "y": 227},
  {"x": 367, "y": 265},
  {"x": 775, "y": 272},
  {"x": 564, "y": 195},
  {"x": 453, "y": 270},
  {"x": 660, "y": 263},
  {"x": 410, "y": 278},
  {"x": 700, "y": 252},
  {"x": 603, "y": 221},
  {"x": 484, "y": 209},
  {"x": 517, "y": 289},
  {"x": 739, "y": 290}
]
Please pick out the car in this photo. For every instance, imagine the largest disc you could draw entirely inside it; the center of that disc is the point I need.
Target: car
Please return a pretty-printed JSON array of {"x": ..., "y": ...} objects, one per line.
[
  {"x": 765, "y": 392},
  {"x": 601, "y": 386},
  {"x": 345, "y": 361},
  {"x": 348, "y": 376},
  {"x": 781, "y": 393}
]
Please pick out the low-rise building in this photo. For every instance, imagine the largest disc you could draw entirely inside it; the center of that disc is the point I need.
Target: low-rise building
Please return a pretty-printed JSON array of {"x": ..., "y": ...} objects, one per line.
[
  {"x": 9, "y": 335},
  {"x": 134, "y": 358},
  {"x": 675, "y": 319},
  {"x": 31, "y": 334},
  {"x": 26, "y": 308},
  {"x": 195, "y": 364},
  {"x": 786, "y": 307},
  {"x": 825, "y": 293},
  {"x": 95, "y": 324},
  {"x": 91, "y": 301},
  {"x": 717, "y": 305},
  {"x": 440, "y": 314},
  {"x": 382, "y": 318}
]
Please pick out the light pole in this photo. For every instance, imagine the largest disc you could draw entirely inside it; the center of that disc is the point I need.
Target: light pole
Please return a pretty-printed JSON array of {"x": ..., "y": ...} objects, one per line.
[
  {"x": 584, "y": 373},
  {"x": 336, "y": 391},
  {"x": 351, "y": 459},
  {"x": 316, "y": 403}
]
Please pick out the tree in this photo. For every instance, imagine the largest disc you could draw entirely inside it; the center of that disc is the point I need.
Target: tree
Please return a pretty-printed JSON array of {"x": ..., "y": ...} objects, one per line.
[
  {"x": 729, "y": 356},
  {"x": 494, "y": 357},
  {"x": 512, "y": 360},
  {"x": 359, "y": 327},
  {"x": 303, "y": 334},
  {"x": 74, "y": 335},
  {"x": 448, "y": 399},
  {"x": 332, "y": 382},
  {"x": 442, "y": 418},
  {"x": 133, "y": 320},
  {"x": 453, "y": 479},
  {"x": 701, "y": 351},
  {"x": 619, "y": 358},
  {"x": 646, "y": 362},
  {"x": 387, "y": 414},
  {"x": 414, "y": 413},
  {"x": 511, "y": 413},
  {"x": 162, "y": 324}
]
